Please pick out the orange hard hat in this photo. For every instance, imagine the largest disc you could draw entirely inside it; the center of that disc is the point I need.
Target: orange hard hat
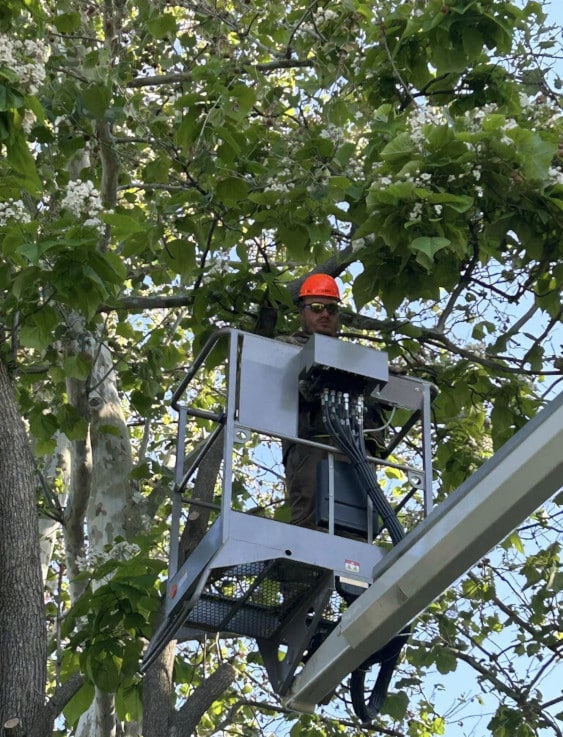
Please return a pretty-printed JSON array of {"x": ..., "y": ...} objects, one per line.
[{"x": 319, "y": 285}]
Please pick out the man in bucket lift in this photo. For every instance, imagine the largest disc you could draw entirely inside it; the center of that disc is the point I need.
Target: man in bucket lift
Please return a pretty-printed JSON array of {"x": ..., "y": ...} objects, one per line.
[{"x": 318, "y": 305}]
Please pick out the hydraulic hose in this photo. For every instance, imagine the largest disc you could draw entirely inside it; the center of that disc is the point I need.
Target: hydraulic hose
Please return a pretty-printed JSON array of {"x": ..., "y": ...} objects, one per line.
[{"x": 343, "y": 420}]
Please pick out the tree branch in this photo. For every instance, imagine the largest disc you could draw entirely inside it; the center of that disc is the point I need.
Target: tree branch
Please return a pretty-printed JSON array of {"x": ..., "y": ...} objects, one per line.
[
  {"x": 188, "y": 717},
  {"x": 514, "y": 617},
  {"x": 53, "y": 708},
  {"x": 178, "y": 77}
]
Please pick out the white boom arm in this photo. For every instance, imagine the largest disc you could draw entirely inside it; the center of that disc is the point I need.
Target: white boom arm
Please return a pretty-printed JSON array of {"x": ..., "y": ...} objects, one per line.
[{"x": 509, "y": 487}]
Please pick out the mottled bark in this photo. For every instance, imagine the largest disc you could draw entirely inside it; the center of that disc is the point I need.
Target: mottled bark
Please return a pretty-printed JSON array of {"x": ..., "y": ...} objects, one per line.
[
  {"x": 79, "y": 486},
  {"x": 111, "y": 496}
]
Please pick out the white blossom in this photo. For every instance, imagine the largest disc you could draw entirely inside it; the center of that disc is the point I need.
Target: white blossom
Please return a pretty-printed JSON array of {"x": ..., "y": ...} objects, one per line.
[
  {"x": 422, "y": 116},
  {"x": 94, "y": 223},
  {"x": 332, "y": 132},
  {"x": 13, "y": 210},
  {"x": 324, "y": 14},
  {"x": 358, "y": 243},
  {"x": 416, "y": 213},
  {"x": 82, "y": 198},
  {"x": 28, "y": 121},
  {"x": 556, "y": 175},
  {"x": 26, "y": 59}
]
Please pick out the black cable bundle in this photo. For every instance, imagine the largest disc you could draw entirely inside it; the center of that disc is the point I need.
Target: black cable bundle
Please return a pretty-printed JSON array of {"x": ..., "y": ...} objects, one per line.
[{"x": 343, "y": 418}]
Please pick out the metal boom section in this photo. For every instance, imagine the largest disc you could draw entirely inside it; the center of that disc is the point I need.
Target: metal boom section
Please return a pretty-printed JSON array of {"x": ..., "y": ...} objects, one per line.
[{"x": 509, "y": 487}]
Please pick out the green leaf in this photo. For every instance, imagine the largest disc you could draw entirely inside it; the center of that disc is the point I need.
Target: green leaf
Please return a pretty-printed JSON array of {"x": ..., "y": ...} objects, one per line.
[
  {"x": 128, "y": 704},
  {"x": 557, "y": 583},
  {"x": 392, "y": 295},
  {"x": 19, "y": 156},
  {"x": 413, "y": 331},
  {"x": 9, "y": 98},
  {"x": 39, "y": 334},
  {"x": 399, "y": 148},
  {"x": 513, "y": 541},
  {"x": 108, "y": 267},
  {"x": 78, "y": 367},
  {"x": 163, "y": 26},
  {"x": 31, "y": 336},
  {"x": 102, "y": 666},
  {"x": 124, "y": 224},
  {"x": 180, "y": 257},
  {"x": 66, "y": 22},
  {"x": 426, "y": 248},
  {"x": 446, "y": 662},
  {"x": 535, "y": 357},
  {"x": 96, "y": 99},
  {"x": 295, "y": 238},
  {"x": 472, "y": 42},
  {"x": 43, "y": 425},
  {"x": 439, "y": 136},
  {"x": 481, "y": 329},
  {"x": 536, "y": 153},
  {"x": 13, "y": 237},
  {"x": 391, "y": 194},
  {"x": 448, "y": 59},
  {"x": 188, "y": 130},
  {"x": 396, "y": 705},
  {"x": 459, "y": 203},
  {"x": 72, "y": 423},
  {"x": 245, "y": 97},
  {"x": 345, "y": 153},
  {"x": 31, "y": 251},
  {"x": 79, "y": 703},
  {"x": 231, "y": 189},
  {"x": 141, "y": 402}
]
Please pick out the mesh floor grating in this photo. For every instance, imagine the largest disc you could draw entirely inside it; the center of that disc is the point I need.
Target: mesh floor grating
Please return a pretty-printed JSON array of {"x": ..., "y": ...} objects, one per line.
[{"x": 254, "y": 599}]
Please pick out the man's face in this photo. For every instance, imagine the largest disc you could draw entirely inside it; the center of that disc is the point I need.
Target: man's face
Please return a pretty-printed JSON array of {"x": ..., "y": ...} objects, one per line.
[{"x": 313, "y": 321}]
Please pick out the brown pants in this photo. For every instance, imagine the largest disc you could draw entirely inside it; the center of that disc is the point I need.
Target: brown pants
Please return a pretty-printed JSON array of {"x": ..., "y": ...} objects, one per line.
[{"x": 301, "y": 482}]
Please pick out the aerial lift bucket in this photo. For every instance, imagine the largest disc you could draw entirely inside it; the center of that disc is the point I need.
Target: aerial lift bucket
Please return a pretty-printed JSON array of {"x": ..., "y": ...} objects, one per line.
[{"x": 254, "y": 576}]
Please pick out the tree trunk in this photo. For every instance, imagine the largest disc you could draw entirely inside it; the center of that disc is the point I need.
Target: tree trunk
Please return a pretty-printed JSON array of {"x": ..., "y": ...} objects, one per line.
[
  {"x": 158, "y": 687},
  {"x": 23, "y": 642}
]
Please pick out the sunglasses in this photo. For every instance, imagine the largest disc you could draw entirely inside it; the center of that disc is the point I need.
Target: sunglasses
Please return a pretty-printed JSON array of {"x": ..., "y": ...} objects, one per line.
[{"x": 319, "y": 307}]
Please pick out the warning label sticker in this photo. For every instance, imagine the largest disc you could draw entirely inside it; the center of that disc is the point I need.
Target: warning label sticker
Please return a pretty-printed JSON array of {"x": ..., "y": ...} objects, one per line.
[{"x": 352, "y": 565}]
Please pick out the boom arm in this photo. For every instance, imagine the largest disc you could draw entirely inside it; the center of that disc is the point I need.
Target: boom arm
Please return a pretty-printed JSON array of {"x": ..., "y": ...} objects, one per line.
[{"x": 456, "y": 535}]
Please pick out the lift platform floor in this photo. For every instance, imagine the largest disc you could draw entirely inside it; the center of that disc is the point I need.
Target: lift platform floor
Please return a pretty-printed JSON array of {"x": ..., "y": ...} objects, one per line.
[{"x": 256, "y": 599}]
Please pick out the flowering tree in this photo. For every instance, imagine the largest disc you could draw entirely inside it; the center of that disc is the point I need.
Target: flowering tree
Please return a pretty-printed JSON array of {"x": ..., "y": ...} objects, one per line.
[{"x": 171, "y": 167}]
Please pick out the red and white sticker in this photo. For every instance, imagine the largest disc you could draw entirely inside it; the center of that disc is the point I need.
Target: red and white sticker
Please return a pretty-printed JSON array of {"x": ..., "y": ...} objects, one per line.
[{"x": 352, "y": 566}]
